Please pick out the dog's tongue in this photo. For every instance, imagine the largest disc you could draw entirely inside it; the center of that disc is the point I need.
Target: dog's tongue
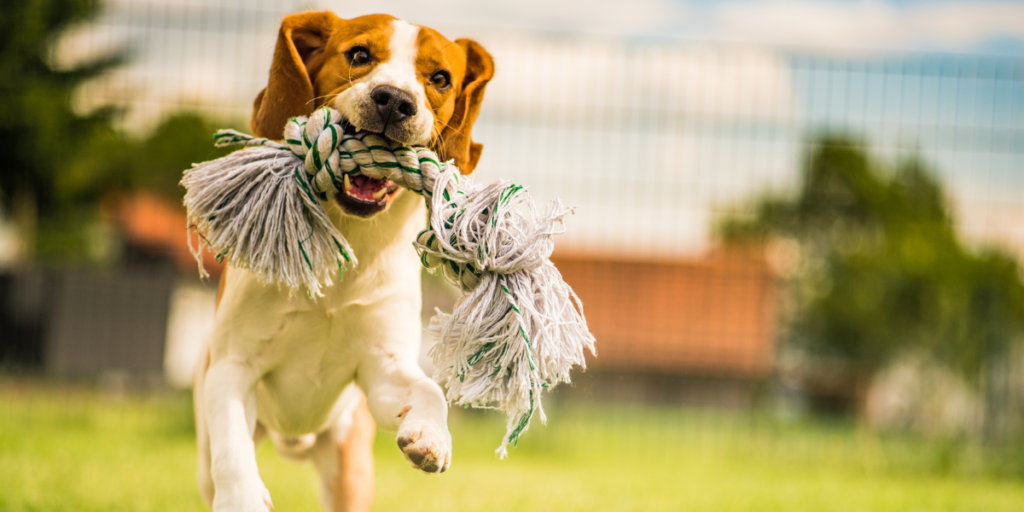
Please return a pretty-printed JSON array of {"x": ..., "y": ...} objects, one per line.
[{"x": 364, "y": 187}]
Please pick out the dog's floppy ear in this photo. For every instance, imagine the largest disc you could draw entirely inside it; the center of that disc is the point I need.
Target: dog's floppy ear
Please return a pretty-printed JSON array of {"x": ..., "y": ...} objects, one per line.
[
  {"x": 298, "y": 57},
  {"x": 455, "y": 138}
]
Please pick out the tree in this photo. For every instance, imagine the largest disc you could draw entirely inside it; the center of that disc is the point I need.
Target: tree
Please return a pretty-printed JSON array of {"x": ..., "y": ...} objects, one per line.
[
  {"x": 883, "y": 270},
  {"x": 117, "y": 162},
  {"x": 59, "y": 162},
  {"x": 37, "y": 124}
]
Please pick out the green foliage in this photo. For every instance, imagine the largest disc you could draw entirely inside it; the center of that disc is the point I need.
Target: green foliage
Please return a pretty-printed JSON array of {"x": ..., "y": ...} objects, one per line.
[
  {"x": 881, "y": 267},
  {"x": 64, "y": 162},
  {"x": 178, "y": 142},
  {"x": 107, "y": 162},
  {"x": 39, "y": 129},
  {"x": 112, "y": 161}
]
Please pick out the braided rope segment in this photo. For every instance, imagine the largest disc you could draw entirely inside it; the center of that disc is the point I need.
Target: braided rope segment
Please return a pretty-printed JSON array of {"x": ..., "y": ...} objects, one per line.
[{"x": 517, "y": 329}]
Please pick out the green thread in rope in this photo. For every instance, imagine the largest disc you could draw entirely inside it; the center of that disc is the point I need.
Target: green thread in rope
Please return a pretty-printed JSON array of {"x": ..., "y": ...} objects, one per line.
[
  {"x": 475, "y": 358},
  {"x": 304, "y": 255},
  {"x": 519, "y": 318},
  {"x": 524, "y": 421}
]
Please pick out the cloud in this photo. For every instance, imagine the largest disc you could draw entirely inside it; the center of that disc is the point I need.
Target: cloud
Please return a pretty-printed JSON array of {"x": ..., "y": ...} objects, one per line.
[
  {"x": 833, "y": 25},
  {"x": 610, "y": 16},
  {"x": 576, "y": 77},
  {"x": 843, "y": 26},
  {"x": 868, "y": 24},
  {"x": 646, "y": 140}
]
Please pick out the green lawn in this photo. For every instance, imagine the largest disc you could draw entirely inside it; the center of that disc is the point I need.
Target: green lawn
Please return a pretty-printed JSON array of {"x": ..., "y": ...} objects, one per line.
[{"x": 65, "y": 449}]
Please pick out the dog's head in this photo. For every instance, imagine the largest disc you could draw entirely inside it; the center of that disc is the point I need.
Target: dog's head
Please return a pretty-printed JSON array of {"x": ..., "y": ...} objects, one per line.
[{"x": 405, "y": 82}]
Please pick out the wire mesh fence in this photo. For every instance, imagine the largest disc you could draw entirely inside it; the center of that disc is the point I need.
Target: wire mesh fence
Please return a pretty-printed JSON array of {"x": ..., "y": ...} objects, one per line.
[
  {"x": 670, "y": 129},
  {"x": 748, "y": 228},
  {"x": 654, "y": 141}
]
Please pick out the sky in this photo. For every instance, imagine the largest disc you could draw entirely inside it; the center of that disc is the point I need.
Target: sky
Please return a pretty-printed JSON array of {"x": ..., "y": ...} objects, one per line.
[
  {"x": 826, "y": 25},
  {"x": 653, "y": 117}
]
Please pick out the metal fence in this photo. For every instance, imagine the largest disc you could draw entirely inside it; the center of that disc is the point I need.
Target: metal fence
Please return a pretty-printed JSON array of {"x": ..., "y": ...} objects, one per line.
[
  {"x": 650, "y": 138},
  {"x": 653, "y": 140}
]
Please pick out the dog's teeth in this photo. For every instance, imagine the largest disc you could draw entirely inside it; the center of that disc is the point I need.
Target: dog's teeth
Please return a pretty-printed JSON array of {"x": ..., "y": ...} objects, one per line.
[
  {"x": 348, "y": 183},
  {"x": 380, "y": 193},
  {"x": 358, "y": 129}
]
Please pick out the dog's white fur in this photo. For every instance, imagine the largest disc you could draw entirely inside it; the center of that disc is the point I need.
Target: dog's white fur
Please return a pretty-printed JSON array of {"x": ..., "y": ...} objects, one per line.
[
  {"x": 399, "y": 71},
  {"x": 284, "y": 362}
]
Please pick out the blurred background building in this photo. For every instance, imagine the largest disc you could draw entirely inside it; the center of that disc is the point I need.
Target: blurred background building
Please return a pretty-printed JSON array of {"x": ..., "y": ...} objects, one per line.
[{"x": 818, "y": 204}]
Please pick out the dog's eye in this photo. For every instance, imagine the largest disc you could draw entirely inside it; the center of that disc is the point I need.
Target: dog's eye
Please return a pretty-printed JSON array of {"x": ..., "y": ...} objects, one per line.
[
  {"x": 442, "y": 79},
  {"x": 358, "y": 55}
]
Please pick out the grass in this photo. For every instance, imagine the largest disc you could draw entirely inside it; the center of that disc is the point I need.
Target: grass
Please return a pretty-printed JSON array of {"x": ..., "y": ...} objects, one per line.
[{"x": 65, "y": 449}]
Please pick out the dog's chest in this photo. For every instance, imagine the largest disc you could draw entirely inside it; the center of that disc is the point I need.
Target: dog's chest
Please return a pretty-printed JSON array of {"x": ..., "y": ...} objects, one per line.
[
  {"x": 315, "y": 355},
  {"x": 320, "y": 344},
  {"x": 307, "y": 350}
]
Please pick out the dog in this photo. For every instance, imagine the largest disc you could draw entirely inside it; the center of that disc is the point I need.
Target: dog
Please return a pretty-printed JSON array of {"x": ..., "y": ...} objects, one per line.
[{"x": 316, "y": 374}]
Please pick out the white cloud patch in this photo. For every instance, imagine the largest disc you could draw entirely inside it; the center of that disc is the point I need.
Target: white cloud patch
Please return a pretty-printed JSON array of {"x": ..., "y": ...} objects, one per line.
[
  {"x": 868, "y": 24},
  {"x": 612, "y": 16},
  {"x": 647, "y": 141},
  {"x": 831, "y": 25}
]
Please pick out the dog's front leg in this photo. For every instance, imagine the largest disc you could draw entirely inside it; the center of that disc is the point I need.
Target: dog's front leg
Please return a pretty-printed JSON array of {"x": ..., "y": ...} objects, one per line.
[
  {"x": 229, "y": 393},
  {"x": 402, "y": 397}
]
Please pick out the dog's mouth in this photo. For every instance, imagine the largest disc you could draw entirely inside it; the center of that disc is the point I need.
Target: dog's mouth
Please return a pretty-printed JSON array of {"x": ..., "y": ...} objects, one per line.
[
  {"x": 364, "y": 196},
  {"x": 364, "y": 189}
]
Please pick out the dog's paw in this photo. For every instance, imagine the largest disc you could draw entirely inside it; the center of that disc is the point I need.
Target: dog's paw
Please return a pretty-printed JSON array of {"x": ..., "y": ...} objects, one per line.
[{"x": 428, "y": 447}]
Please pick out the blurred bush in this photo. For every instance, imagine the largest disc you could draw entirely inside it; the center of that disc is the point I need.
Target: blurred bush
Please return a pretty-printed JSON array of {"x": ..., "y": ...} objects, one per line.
[
  {"x": 60, "y": 163},
  {"x": 877, "y": 269}
]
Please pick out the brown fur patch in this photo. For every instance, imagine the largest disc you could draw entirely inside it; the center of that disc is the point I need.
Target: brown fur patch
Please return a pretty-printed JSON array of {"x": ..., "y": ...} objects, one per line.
[{"x": 311, "y": 68}]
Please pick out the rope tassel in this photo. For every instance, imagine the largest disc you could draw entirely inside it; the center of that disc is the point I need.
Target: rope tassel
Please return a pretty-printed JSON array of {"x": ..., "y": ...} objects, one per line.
[{"x": 517, "y": 329}]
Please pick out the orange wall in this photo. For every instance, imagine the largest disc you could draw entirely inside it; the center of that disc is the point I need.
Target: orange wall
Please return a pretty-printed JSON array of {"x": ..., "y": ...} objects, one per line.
[
  {"x": 715, "y": 315},
  {"x": 159, "y": 224}
]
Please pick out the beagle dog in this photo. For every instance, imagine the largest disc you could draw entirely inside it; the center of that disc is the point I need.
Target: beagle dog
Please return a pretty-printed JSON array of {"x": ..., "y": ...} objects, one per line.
[{"x": 314, "y": 375}]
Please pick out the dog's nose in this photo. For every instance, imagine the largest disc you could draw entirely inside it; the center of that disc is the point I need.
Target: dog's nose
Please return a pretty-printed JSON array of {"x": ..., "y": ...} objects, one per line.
[{"x": 393, "y": 104}]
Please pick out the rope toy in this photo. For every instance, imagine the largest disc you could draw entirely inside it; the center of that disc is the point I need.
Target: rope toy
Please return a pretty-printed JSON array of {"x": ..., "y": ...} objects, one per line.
[{"x": 516, "y": 330}]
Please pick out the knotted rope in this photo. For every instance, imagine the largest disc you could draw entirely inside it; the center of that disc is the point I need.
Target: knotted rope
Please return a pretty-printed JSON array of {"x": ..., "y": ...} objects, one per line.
[{"x": 517, "y": 328}]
